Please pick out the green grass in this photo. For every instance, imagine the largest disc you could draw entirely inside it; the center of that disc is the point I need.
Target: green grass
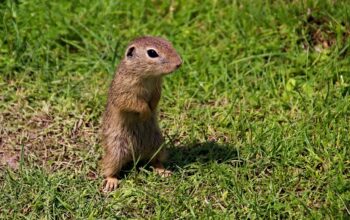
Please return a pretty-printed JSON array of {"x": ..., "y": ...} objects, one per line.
[{"x": 257, "y": 120}]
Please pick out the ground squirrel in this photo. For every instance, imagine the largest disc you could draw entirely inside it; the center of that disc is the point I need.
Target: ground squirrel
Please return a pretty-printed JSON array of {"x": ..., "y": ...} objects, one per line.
[{"x": 130, "y": 128}]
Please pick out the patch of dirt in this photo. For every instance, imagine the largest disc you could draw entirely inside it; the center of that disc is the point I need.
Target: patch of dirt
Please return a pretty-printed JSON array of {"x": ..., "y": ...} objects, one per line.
[
  {"x": 319, "y": 31},
  {"x": 10, "y": 159},
  {"x": 46, "y": 138}
]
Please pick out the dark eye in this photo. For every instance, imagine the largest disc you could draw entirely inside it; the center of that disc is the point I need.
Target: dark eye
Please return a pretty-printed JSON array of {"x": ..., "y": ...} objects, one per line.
[{"x": 152, "y": 53}]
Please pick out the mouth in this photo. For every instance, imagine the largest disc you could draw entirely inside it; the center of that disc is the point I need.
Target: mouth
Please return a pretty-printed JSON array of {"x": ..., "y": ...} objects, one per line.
[{"x": 170, "y": 71}]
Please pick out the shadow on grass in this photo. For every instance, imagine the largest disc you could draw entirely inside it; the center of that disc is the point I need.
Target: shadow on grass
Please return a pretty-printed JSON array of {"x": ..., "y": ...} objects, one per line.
[
  {"x": 181, "y": 156},
  {"x": 203, "y": 153}
]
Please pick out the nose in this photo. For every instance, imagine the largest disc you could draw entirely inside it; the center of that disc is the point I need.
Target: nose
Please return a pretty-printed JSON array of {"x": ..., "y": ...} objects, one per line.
[{"x": 179, "y": 64}]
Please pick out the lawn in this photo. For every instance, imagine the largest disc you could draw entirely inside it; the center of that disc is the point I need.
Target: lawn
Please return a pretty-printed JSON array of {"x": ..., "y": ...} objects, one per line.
[{"x": 257, "y": 120}]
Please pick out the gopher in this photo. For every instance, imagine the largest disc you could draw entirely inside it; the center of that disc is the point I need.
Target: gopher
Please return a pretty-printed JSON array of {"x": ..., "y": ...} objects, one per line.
[{"x": 130, "y": 129}]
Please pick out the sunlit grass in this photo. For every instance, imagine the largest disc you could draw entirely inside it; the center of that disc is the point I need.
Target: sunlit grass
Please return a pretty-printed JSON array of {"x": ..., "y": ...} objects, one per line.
[{"x": 256, "y": 121}]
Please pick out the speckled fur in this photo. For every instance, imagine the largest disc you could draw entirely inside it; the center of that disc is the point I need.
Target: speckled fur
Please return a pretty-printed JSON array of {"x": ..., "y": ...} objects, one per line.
[{"x": 130, "y": 128}]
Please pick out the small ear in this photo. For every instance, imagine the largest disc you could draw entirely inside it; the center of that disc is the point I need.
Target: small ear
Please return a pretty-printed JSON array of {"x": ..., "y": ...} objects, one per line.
[{"x": 130, "y": 52}]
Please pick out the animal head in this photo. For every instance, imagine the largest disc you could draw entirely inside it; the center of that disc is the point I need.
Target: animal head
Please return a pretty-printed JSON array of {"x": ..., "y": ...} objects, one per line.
[{"x": 153, "y": 56}]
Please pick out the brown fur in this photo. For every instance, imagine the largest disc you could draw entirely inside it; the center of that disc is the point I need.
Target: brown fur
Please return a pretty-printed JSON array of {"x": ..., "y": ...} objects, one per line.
[{"x": 130, "y": 128}]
